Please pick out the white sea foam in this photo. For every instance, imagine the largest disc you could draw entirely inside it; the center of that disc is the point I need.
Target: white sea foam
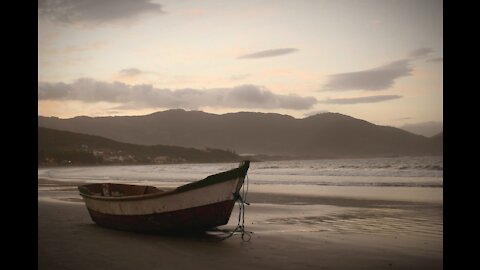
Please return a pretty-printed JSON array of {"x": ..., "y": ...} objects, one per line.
[{"x": 394, "y": 171}]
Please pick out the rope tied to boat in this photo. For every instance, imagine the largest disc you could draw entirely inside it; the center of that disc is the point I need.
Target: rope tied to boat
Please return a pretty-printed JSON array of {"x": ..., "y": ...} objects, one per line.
[{"x": 240, "y": 228}]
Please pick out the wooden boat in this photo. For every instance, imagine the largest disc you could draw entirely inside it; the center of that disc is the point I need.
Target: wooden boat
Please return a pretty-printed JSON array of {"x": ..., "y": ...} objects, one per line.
[{"x": 199, "y": 205}]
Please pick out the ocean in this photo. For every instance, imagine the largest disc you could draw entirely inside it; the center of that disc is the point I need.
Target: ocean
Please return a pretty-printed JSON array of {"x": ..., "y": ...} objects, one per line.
[{"x": 372, "y": 172}]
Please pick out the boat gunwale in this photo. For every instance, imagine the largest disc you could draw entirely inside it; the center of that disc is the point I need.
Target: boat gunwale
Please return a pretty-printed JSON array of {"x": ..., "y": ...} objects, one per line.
[
  {"x": 132, "y": 197},
  {"x": 213, "y": 179}
]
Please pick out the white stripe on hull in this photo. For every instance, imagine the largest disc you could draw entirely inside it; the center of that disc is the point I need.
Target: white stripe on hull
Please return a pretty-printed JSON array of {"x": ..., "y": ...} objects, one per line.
[{"x": 192, "y": 198}]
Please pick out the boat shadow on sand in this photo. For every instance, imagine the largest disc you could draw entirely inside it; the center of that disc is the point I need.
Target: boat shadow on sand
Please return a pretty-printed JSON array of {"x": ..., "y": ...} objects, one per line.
[{"x": 210, "y": 235}]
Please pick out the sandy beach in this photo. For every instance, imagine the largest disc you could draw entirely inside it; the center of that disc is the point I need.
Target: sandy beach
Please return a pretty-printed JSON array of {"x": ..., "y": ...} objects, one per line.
[{"x": 339, "y": 228}]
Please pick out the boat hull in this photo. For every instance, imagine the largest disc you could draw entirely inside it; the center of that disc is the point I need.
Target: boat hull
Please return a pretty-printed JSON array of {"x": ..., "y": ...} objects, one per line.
[
  {"x": 198, "y": 205},
  {"x": 196, "y": 218}
]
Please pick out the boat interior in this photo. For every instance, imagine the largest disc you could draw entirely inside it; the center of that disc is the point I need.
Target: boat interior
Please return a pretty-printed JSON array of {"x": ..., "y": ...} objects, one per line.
[{"x": 118, "y": 190}]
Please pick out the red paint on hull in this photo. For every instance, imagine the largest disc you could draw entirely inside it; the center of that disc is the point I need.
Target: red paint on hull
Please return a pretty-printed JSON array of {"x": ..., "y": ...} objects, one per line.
[{"x": 196, "y": 218}]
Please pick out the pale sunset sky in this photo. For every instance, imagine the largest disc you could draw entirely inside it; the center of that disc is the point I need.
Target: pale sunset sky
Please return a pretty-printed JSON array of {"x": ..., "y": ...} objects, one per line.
[{"x": 377, "y": 60}]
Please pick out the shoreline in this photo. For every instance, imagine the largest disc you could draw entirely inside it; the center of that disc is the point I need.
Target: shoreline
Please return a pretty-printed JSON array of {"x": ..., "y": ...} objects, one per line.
[
  {"x": 247, "y": 157},
  {"x": 313, "y": 194}
]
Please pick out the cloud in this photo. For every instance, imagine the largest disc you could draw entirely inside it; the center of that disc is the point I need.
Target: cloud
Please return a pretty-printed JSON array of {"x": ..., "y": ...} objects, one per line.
[
  {"x": 268, "y": 53},
  {"x": 239, "y": 77},
  {"x": 402, "y": 118},
  {"x": 146, "y": 96},
  {"x": 131, "y": 72},
  {"x": 421, "y": 52},
  {"x": 375, "y": 79},
  {"x": 369, "y": 99},
  {"x": 436, "y": 59},
  {"x": 94, "y": 12}
]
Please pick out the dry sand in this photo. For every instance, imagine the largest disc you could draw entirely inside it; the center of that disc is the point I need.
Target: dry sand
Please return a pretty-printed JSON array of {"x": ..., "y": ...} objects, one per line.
[{"x": 291, "y": 231}]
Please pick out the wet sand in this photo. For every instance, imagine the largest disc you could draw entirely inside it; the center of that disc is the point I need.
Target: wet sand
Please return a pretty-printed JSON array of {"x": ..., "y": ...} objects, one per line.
[{"x": 338, "y": 229}]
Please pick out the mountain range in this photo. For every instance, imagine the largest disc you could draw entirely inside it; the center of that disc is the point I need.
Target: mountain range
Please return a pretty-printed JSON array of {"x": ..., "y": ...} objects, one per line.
[{"x": 319, "y": 136}]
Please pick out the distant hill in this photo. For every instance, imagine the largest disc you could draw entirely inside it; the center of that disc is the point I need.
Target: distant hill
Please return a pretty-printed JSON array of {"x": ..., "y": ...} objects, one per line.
[
  {"x": 438, "y": 140},
  {"x": 62, "y": 147},
  {"x": 317, "y": 136},
  {"x": 427, "y": 129},
  {"x": 438, "y": 136}
]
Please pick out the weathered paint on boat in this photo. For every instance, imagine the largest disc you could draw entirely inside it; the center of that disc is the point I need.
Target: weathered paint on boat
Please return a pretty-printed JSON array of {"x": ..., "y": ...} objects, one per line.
[{"x": 199, "y": 205}]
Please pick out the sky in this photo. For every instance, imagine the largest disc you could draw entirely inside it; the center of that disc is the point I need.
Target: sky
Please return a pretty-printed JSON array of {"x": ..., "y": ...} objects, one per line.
[{"x": 376, "y": 60}]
